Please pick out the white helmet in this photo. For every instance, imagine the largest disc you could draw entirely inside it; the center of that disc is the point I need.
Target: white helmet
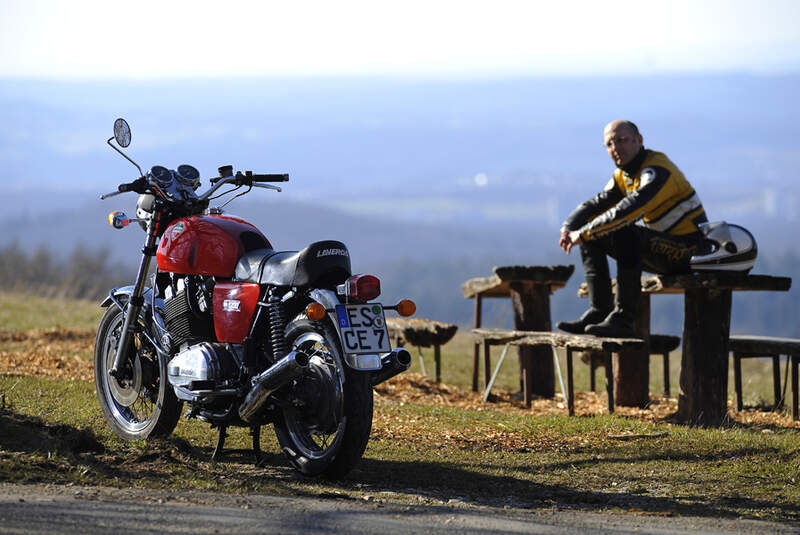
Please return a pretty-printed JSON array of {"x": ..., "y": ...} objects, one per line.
[{"x": 731, "y": 248}]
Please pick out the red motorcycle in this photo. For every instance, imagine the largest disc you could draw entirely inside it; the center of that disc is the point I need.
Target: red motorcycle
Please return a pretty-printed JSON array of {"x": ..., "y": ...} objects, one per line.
[{"x": 243, "y": 334}]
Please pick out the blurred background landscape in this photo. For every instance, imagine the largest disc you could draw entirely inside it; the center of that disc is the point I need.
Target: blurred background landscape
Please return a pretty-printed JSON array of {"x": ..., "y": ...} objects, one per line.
[{"x": 433, "y": 163}]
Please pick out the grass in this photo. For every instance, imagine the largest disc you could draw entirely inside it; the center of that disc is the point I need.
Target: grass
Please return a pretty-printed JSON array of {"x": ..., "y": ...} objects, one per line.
[
  {"x": 54, "y": 432},
  {"x": 19, "y": 312},
  {"x": 420, "y": 453}
]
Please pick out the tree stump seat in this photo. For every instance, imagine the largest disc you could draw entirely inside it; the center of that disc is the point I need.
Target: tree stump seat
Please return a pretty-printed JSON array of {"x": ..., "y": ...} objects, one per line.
[
  {"x": 422, "y": 332},
  {"x": 750, "y": 346},
  {"x": 571, "y": 342},
  {"x": 529, "y": 288},
  {"x": 660, "y": 344}
]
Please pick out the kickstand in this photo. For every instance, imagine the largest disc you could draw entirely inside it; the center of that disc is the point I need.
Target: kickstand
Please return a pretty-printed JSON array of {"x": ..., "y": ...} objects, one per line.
[
  {"x": 261, "y": 459},
  {"x": 217, "y": 455}
]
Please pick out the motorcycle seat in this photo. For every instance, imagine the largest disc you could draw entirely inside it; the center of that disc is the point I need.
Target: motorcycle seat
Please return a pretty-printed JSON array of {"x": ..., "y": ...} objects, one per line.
[
  {"x": 295, "y": 268},
  {"x": 267, "y": 266}
]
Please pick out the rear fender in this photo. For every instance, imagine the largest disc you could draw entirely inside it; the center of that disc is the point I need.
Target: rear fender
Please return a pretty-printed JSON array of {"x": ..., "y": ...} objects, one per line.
[{"x": 329, "y": 300}]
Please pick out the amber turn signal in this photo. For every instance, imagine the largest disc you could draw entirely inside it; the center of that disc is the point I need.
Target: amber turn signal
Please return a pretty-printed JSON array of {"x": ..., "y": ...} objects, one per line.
[
  {"x": 406, "y": 307},
  {"x": 315, "y": 311}
]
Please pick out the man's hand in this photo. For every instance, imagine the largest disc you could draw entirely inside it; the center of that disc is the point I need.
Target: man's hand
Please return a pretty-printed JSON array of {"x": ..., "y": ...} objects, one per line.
[
  {"x": 569, "y": 239},
  {"x": 563, "y": 242}
]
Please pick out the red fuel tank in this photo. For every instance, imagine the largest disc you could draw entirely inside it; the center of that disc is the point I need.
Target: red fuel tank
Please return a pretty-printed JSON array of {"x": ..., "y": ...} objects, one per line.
[{"x": 207, "y": 245}]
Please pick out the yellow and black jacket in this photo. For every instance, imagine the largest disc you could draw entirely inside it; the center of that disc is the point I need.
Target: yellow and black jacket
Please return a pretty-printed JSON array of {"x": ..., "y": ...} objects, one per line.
[{"x": 650, "y": 188}]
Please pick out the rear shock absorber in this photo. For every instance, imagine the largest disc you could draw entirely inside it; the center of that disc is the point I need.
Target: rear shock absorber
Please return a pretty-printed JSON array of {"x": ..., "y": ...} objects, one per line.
[{"x": 277, "y": 327}]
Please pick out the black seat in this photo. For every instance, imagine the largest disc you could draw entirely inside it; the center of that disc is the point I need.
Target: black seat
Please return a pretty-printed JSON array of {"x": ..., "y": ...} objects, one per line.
[
  {"x": 294, "y": 268},
  {"x": 267, "y": 266}
]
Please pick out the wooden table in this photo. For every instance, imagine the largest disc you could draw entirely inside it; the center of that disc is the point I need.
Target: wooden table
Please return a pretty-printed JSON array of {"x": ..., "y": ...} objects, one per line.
[
  {"x": 529, "y": 288},
  {"x": 703, "y": 397}
]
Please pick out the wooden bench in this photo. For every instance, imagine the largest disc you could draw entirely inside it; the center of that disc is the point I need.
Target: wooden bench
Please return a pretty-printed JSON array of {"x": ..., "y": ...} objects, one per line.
[
  {"x": 571, "y": 342},
  {"x": 745, "y": 346},
  {"x": 422, "y": 332},
  {"x": 659, "y": 344}
]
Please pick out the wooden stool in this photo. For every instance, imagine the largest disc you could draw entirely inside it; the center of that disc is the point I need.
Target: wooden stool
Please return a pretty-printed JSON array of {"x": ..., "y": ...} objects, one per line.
[
  {"x": 660, "y": 344},
  {"x": 421, "y": 332},
  {"x": 745, "y": 346}
]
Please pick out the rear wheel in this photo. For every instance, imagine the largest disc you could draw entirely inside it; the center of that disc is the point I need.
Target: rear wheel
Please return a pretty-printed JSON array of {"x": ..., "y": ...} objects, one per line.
[
  {"x": 327, "y": 430},
  {"x": 142, "y": 405}
]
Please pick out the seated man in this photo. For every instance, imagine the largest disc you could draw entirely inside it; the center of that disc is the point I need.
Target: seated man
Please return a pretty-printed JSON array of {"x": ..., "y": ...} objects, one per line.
[{"x": 646, "y": 185}]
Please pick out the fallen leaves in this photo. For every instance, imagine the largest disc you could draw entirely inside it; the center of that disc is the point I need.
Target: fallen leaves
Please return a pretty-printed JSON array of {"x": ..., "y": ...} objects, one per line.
[{"x": 60, "y": 353}]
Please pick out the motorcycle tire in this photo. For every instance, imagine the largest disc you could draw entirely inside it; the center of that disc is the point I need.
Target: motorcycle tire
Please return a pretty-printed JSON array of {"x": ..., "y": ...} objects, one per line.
[
  {"x": 143, "y": 405},
  {"x": 328, "y": 433}
]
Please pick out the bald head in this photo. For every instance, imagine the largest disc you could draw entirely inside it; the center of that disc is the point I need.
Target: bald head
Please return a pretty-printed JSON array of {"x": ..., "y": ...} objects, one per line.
[
  {"x": 628, "y": 126},
  {"x": 622, "y": 140}
]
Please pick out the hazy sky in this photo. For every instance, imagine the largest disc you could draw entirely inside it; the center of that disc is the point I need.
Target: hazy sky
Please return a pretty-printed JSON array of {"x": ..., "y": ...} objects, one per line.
[{"x": 144, "y": 38}]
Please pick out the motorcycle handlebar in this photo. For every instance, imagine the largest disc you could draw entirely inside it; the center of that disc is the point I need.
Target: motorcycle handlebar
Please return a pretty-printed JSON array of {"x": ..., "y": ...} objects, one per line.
[
  {"x": 139, "y": 186},
  {"x": 284, "y": 177}
]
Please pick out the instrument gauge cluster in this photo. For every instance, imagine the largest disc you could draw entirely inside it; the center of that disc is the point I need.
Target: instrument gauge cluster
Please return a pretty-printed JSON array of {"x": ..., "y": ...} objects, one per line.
[{"x": 176, "y": 184}]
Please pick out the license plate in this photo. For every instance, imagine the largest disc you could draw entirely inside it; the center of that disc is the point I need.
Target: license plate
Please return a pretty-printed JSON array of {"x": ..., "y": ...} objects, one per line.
[{"x": 363, "y": 328}]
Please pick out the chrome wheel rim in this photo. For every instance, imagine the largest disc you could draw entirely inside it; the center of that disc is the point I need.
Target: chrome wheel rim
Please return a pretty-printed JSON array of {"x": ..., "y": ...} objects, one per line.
[
  {"x": 131, "y": 402},
  {"x": 311, "y": 441}
]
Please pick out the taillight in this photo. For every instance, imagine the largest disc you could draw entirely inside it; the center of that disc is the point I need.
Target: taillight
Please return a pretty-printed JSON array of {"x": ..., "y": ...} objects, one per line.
[{"x": 363, "y": 287}]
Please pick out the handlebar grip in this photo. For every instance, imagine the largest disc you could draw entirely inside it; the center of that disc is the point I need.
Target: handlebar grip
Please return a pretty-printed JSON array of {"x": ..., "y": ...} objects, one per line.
[
  {"x": 284, "y": 177},
  {"x": 139, "y": 186}
]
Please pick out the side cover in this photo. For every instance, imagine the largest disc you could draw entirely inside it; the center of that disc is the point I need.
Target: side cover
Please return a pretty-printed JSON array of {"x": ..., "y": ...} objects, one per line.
[{"x": 234, "y": 307}]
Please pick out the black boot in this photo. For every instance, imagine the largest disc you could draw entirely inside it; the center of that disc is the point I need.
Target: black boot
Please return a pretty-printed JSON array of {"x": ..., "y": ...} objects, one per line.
[
  {"x": 599, "y": 302},
  {"x": 621, "y": 323}
]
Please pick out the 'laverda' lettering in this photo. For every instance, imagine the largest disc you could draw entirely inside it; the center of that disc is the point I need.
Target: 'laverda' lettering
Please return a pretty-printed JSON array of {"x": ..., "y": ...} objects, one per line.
[{"x": 332, "y": 252}]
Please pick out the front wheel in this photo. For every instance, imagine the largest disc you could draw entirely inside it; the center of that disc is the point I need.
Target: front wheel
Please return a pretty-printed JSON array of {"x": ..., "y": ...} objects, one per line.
[
  {"x": 142, "y": 405},
  {"x": 327, "y": 430}
]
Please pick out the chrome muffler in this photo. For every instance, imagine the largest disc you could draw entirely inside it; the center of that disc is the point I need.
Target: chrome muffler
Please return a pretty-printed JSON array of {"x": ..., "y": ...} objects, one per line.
[
  {"x": 288, "y": 368},
  {"x": 394, "y": 362}
]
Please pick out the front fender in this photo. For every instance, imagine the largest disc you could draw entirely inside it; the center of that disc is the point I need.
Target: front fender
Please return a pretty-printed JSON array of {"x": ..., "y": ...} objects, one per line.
[
  {"x": 120, "y": 296},
  {"x": 116, "y": 294}
]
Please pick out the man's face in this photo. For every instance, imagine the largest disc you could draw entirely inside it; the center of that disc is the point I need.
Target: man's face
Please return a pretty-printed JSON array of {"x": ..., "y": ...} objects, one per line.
[{"x": 621, "y": 143}]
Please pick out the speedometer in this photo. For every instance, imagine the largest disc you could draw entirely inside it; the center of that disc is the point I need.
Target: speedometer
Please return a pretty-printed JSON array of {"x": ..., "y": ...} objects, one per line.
[
  {"x": 188, "y": 175},
  {"x": 162, "y": 175}
]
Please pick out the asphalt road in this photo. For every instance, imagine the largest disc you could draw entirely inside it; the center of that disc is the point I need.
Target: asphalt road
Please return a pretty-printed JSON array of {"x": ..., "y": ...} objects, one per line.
[{"x": 35, "y": 509}]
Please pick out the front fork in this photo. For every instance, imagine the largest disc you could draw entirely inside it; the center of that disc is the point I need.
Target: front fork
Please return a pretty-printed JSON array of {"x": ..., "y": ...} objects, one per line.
[{"x": 135, "y": 302}]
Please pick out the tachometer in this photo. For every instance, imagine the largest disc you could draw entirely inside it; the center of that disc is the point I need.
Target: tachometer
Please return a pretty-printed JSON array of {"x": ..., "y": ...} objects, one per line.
[{"x": 162, "y": 175}]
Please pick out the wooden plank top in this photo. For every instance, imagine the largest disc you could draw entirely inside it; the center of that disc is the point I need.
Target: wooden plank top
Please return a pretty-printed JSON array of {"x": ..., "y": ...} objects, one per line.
[
  {"x": 421, "y": 332},
  {"x": 720, "y": 280},
  {"x": 747, "y": 343},
  {"x": 499, "y": 284},
  {"x": 544, "y": 338}
]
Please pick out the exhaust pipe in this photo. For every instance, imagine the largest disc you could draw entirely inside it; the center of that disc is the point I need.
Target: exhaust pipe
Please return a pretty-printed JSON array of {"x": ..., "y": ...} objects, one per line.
[
  {"x": 394, "y": 362},
  {"x": 288, "y": 368}
]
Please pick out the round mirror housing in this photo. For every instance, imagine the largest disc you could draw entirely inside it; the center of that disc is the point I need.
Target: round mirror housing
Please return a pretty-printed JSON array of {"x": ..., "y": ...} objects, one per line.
[{"x": 122, "y": 132}]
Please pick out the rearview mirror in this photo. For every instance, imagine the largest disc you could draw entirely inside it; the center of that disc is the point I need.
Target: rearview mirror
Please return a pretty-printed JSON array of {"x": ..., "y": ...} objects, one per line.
[{"x": 122, "y": 133}]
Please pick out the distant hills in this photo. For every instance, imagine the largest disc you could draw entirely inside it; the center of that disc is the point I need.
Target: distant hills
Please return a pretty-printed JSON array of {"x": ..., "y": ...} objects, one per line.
[{"x": 429, "y": 181}]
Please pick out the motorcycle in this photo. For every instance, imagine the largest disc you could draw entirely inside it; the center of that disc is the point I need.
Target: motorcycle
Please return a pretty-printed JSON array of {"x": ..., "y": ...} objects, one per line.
[{"x": 241, "y": 333}]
